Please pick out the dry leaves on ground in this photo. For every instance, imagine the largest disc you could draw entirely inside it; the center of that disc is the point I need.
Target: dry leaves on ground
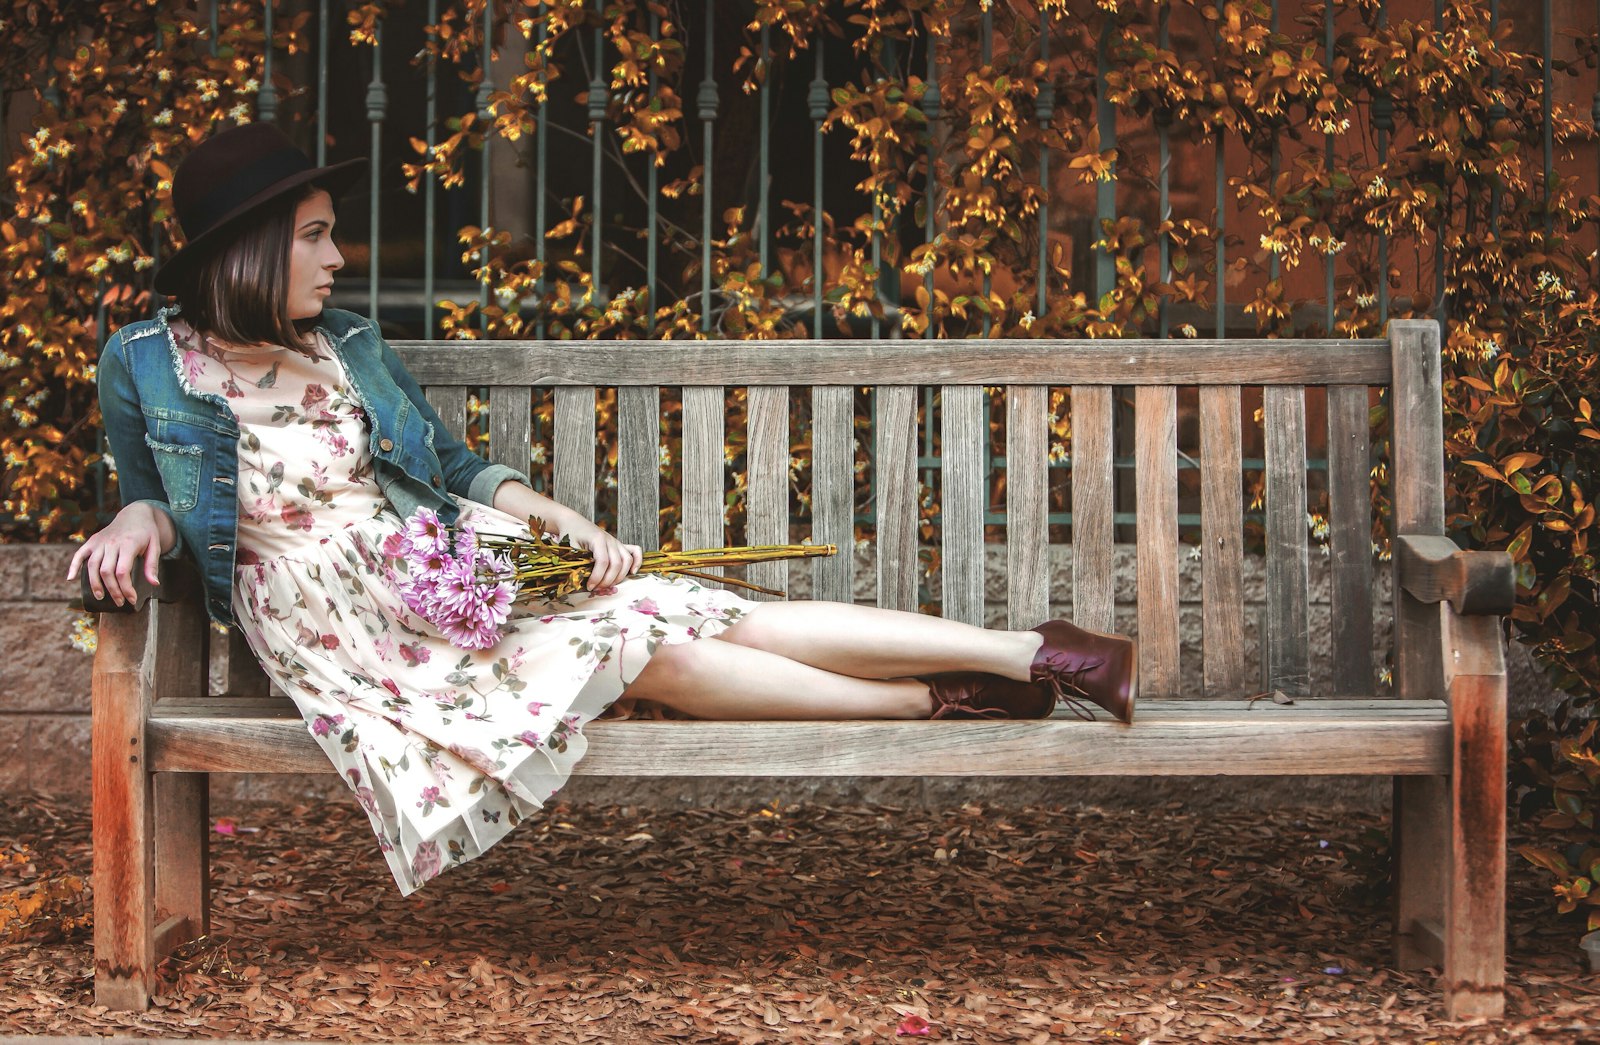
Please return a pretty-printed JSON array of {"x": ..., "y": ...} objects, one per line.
[{"x": 806, "y": 923}]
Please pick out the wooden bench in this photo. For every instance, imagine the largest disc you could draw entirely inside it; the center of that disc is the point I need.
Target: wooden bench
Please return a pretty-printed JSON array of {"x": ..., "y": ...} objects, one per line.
[{"x": 1441, "y": 736}]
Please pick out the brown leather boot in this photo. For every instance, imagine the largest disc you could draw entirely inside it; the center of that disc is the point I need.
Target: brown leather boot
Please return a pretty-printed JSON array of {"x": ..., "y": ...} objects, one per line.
[
  {"x": 978, "y": 694},
  {"x": 1077, "y": 665}
]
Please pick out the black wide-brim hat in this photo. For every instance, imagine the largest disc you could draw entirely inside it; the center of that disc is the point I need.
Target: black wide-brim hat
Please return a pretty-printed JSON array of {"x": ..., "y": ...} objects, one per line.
[{"x": 228, "y": 177}]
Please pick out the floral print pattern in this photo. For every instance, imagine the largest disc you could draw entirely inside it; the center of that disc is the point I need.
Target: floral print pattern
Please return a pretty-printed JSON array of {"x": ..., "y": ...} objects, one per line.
[{"x": 445, "y": 749}]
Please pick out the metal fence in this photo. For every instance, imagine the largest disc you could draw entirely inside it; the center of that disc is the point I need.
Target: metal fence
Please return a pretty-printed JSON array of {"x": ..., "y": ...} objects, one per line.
[{"x": 410, "y": 262}]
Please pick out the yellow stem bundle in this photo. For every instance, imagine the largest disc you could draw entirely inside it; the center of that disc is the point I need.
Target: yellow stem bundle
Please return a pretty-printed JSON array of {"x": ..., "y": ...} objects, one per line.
[{"x": 545, "y": 569}]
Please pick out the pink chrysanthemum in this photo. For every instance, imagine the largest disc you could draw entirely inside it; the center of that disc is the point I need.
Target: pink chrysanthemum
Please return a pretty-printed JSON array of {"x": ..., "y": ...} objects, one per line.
[
  {"x": 459, "y": 587},
  {"x": 427, "y": 533}
]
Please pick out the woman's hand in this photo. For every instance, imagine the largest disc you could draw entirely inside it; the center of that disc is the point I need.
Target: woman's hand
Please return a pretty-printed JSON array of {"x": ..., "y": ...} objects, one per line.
[
  {"x": 613, "y": 560},
  {"x": 108, "y": 556}
]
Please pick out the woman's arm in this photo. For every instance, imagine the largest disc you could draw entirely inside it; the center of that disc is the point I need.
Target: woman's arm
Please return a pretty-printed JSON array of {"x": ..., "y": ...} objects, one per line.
[
  {"x": 518, "y": 499},
  {"x": 613, "y": 560},
  {"x": 138, "y": 479},
  {"x": 144, "y": 526},
  {"x": 465, "y": 473}
]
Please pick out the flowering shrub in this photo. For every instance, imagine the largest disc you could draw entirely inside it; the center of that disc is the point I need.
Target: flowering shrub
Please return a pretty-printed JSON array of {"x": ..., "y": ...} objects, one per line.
[{"x": 1459, "y": 196}]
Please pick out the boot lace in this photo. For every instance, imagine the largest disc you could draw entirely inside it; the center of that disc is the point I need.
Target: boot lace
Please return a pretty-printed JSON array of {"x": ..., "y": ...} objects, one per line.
[
  {"x": 1066, "y": 682},
  {"x": 951, "y": 701}
]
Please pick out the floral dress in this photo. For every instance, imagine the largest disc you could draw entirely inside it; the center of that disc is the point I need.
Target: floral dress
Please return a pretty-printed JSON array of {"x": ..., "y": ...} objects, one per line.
[{"x": 446, "y": 749}]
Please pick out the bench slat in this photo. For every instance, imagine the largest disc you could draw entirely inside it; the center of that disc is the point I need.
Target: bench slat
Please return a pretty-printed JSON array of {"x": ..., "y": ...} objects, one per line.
[
  {"x": 1093, "y": 565},
  {"x": 1207, "y": 738},
  {"x": 1222, "y": 540},
  {"x": 1287, "y": 653},
  {"x": 1054, "y": 361},
  {"x": 450, "y": 403},
  {"x": 1156, "y": 472},
  {"x": 833, "y": 453},
  {"x": 240, "y": 673},
  {"x": 1350, "y": 539},
  {"x": 704, "y": 418},
  {"x": 1027, "y": 505},
  {"x": 767, "y": 496},
  {"x": 511, "y": 426},
  {"x": 639, "y": 466},
  {"x": 896, "y": 464},
  {"x": 574, "y": 449},
  {"x": 1416, "y": 484},
  {"x": 962, "y": 492}
]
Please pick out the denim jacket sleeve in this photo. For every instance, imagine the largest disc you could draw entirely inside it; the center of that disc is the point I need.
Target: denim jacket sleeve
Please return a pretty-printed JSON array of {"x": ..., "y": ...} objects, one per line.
[
  {"x": 137, "y": 476},
  {"x": 465, "y": 473}
]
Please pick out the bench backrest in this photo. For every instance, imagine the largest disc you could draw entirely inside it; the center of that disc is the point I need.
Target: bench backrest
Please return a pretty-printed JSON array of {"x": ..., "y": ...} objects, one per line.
[{"x": 1348, "y": 370}]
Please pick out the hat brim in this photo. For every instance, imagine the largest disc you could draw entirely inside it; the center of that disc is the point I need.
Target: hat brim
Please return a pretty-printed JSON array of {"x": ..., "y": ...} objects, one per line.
[{"x": 336, "y": 178}]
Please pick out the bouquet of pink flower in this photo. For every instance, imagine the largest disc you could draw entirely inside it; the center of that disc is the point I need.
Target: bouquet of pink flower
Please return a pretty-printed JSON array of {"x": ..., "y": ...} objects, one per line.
[
  {"x": 452, "y": 581},
  {"x": 464, "y": 582}
]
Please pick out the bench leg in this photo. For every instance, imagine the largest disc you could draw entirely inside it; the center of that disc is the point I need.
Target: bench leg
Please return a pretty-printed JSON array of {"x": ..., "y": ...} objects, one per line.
[
  {"x": 124, "y": 820},
  {"x": 1475, "y": 915},
  {"x": 1421, "y": 854},
  {"x": 183, "y": 859}
]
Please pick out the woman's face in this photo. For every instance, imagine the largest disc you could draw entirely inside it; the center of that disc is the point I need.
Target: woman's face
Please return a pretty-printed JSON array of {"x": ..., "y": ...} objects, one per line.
[{"x": 313, "y": 259}]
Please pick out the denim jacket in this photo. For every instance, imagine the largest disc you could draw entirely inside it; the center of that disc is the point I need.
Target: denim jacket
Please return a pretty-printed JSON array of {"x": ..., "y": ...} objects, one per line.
[{"x": 177, "y": 448}]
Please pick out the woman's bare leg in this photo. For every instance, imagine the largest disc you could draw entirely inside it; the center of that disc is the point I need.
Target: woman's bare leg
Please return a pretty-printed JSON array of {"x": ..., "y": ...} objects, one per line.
[
  {"x": 873, "y": 643},
  {"x": 713, "y": 679}
]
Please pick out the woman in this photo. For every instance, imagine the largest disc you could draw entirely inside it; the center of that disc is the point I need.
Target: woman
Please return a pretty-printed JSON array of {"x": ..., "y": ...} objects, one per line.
[{"x": 281, "y": 445}]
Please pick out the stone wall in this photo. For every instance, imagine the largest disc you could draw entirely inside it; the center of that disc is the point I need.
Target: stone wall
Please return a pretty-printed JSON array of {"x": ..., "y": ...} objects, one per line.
[
  {"x": 44, "y": 704},
  {"x": 44, "y": 681}
]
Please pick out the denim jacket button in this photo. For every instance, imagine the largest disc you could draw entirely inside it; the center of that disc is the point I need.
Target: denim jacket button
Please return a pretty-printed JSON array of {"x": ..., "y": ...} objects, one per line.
[
  {"x": 436, "y": 480},
  {"x": 385, "y": 444}
]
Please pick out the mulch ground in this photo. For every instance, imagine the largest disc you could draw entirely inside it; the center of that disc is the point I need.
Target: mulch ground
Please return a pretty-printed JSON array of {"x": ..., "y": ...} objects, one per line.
[{"x": 805, "y": 923}]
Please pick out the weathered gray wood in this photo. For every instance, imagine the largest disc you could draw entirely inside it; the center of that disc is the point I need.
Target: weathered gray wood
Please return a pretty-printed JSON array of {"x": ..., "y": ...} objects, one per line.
[
  {"x": 1433, "y": 569},
  {"x": 237, "y": 672},
  {"x": 180, "y": 665},
  {"x": 704, "y": 417},
  {"x": 962, "y": 495},
  {"x": 1156, "y": 472},
  {"x": 1222, "y": 541},
  {"x": 767, "y": 496},
  {"x": 1350, "y": 539},
  {"x": 639, "y": 466},
  {"x": 121, "y": 694},
  {"x": 934, "y": 362},
  {"x": 1417, "y": 493},
  {"x": 833, "y": 456},
  {"x": 1475, "y": 910},
  {"x": 169, "y": 934},
  {"x": 1172, "y": 737},
  {"x": 1423, "y": 808},
  {"x": 1421, "y": 853},
  {"x": 1027, "y": 505},
  {"x": 449, "y": 401},
  {"x": 1093, "y": 570},
  {"x": 895, "y": 461},
  {"x": 511, "y": 426},
  {"x": 574, "y": 449},
  {"x": 1288, "y": 652},
  {"x": 182, "y": 854}
]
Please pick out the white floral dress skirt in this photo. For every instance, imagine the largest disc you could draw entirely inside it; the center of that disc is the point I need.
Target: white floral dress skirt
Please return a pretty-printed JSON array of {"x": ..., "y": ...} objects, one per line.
[{"x": 445, "y": 749}]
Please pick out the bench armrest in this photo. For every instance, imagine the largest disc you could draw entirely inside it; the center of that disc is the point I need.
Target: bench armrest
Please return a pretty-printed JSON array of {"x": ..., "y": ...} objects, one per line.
[
  {"x": 1433, "y": 569},
  {"x": 178, "y": 580}
]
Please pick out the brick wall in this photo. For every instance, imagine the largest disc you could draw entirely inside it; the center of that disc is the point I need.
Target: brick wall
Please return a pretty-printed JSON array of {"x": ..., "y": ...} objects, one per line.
[
  {"x": 44, "y": 682},
  {"x": 44, "y": 702}
]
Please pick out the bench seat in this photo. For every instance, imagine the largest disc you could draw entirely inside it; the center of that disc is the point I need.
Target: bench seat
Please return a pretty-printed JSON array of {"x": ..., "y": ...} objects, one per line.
[{"x": 1169, "y": 738}]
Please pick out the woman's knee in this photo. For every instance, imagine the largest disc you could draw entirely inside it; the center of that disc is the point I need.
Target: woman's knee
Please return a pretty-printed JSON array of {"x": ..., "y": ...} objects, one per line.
[
  {"x": 754, "y": 630},
  {"x": 676, "y": 666}
]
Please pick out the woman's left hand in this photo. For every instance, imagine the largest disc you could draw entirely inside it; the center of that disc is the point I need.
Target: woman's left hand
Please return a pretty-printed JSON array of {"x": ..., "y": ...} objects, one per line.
[{"x": 614, "y": 561}]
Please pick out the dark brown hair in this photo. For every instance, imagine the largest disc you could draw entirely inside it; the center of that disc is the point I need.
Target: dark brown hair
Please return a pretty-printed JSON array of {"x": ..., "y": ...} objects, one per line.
[{"x": 239, "y": 292}]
